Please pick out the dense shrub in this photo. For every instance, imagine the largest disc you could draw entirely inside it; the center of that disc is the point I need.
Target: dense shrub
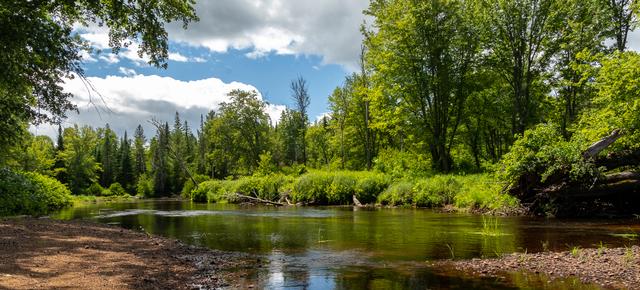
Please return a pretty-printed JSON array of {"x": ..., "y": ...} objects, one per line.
[
  {"x": 370, "y": 185},
  {"x": 399, "y": 193},
  {"x": 188, "y": 185},
  {"x": 144, "y": 186},
  {"x": 402, "y": 164},
  {"x": 31, "y": 194},
  {"x": 115, "y": 189},
  {"x": 312, "y": 188},
  {"x": 543, "y": 152},
  {"x": 436, "y": 191},
  {"x": 95, "y": 189},
  {"x": 484, "y": 192}
]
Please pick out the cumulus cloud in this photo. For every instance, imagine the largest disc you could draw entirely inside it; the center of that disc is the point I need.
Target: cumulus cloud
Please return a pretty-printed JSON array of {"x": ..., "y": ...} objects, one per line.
[
  {"x": 126, "y": 101},
  {"x": 328, "y": 28},
  {"x": 127, "y": 71}
]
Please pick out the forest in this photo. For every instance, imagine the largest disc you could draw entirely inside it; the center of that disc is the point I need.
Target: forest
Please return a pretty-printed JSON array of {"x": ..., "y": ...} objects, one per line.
[{"x": 527, "y": 106}]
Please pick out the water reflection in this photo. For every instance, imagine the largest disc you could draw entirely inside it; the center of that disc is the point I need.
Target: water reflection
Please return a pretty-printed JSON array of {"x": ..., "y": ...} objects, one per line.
[{"x": 343, "y": 248}]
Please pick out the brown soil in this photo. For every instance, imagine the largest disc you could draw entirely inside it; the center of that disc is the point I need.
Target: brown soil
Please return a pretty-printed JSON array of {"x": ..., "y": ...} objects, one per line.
[
  {"x": 51, "y": 254},
  {"x": 614, "y": 268}
]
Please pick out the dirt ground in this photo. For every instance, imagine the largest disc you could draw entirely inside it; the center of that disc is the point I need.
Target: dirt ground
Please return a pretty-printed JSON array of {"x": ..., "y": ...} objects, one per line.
[
  {"x": 51, "y": 254},
  {"x": 609, "y": 267}
]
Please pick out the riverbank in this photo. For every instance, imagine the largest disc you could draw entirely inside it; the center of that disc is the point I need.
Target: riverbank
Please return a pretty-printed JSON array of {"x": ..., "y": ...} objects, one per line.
[
  {"x": 45, "y": 253},
  {"x": 609, "y": 267}
]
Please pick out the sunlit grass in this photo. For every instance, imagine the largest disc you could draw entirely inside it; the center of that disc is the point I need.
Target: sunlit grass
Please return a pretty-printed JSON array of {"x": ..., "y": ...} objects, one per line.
[{"x": 491, "y": 227}]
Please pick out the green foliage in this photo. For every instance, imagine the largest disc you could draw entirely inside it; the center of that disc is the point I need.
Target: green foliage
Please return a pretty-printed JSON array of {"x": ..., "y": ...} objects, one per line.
[
  {"x": 484, "y": 192},
  {"x": 543, "y": 152},
  {"x": 95, "y": 189},
  {"x": 401, "y": 164},
  {"x": 312, "y": 188},
  {"x": 370, "y": 185},
  {"x": 617, "y": 101},
  {"x": 81, "y": 167},
  {"x": 115, "y": 189},
  {"x": 399, "y": 193},
  {"x": 144, "y": 186},
  {"x": 41, "y": 48},
  {"x": 265, "y": 165},
  {"x": 189, "y": 186},
  {"x": 436, "y": 191},
  {"x": 31, "y": 194}
]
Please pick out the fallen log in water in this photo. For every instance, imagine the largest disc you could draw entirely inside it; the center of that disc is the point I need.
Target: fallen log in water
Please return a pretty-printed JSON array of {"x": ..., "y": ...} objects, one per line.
[
  {"x": 559, "y": 189},
  {"x": 259, "y": 200}
]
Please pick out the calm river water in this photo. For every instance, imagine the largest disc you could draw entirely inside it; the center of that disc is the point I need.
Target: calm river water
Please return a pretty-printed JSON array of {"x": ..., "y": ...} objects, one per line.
[{"x": 351, "y": 248}]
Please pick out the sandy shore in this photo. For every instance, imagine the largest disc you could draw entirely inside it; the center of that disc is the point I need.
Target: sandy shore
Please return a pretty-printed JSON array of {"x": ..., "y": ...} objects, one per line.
[
  {"x": 51, "y": 254},
  {"x": 608, "y": 267}
]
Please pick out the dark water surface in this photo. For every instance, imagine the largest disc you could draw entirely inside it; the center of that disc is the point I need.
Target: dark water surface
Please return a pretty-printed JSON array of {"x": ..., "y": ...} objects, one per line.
[{"x": 351, "y": 248}]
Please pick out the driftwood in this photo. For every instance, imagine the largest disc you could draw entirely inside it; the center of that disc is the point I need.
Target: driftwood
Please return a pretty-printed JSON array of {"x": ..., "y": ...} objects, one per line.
[
  {"x": 259, "y": 200},
  {"x": 603, "y": 143},
  {"x": 356, "y": 202}
]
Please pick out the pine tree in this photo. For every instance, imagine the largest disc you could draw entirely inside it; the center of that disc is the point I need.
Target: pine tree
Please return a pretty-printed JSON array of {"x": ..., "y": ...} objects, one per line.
[
  {"x": 139, "y": 162},
  {"x": 177, "y": 146},
  {"x": 160, "y": 161},
  {"x": 125, "y": 168},
  {"x": 107, "y": 156}
]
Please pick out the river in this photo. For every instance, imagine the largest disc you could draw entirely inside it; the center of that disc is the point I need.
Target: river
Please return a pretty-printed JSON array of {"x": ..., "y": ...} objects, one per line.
[{"x": 355, "y": 248}]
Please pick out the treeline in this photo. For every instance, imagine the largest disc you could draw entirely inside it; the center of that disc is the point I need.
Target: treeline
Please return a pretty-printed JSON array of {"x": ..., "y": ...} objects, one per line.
[{"x": 443, "y": 86}]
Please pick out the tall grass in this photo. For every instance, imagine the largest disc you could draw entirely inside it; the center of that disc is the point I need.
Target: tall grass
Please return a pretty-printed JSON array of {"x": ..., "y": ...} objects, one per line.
[{"x": 478, "y": 191}]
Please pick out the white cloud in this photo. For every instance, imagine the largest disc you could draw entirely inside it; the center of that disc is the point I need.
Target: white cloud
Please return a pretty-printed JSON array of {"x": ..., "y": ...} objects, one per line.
[
  {"x": 323, "y": 115},
  {"x": 175, "y": 56},
  {"x": 126, "y": 101},
  {"x": 110, "y": 58},
  {"x": 328, "y": 28},
  {"x": 127, "y": 71}
]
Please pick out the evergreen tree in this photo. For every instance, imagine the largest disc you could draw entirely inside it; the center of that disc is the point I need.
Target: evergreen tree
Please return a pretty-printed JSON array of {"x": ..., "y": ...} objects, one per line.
[
  {"x": 160, "y": 161},
  {"x": 125, "y": 166},
  {"x": 139, "y": 162},
  {"x": 107, "y": 154}
]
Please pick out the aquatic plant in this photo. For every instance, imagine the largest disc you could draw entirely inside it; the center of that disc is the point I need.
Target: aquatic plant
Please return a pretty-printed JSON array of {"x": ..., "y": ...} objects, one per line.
[{"x": 491, "y": 227}]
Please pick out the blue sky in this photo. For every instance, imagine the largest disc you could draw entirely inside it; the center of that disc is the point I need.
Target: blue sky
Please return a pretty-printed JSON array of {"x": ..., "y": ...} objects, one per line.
[
  {"x": 270, "y": 74},
  {"x": 257, "y": 45}
]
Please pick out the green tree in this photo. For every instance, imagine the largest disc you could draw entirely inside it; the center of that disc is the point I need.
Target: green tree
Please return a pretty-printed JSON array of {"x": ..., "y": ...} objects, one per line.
[
  {"x": 522, "y": 41},
  {"x": 125, "y": 165},
  {"x": 107, "y": 154},
  {"x": 80, "y": 164},
  {"x": 421, "y": 53},
  {"x": 40, "y": 48},
  {"x": 139, "y": 159},
  {"x": 300, "y": 96},
  {"x": 160, "y": 166},
  {"x": 36, "y": 154}
]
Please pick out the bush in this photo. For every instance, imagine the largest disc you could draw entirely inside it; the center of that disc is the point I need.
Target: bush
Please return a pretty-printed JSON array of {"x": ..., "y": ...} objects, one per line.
[
  {"x": 436, "y": 191},
  {"x": 484, "y": 192},
  {"x": 31, "y": 194},
  {"x": 543, "y": 152},
  {"x": 370, "y": 185},
  {"x": 95, "y": 189},
  {"x": 115, "y": 189},
  {"x": 144, "y": 186},
  {"x": 188, "y": 185},
  {"x": 342, "y": 189},
  {"x": 402, "y": 164},
  {"x": 312, "y": 188},
  {"x": 399, "y": 193},
  {"x": 209, "y": 191}
]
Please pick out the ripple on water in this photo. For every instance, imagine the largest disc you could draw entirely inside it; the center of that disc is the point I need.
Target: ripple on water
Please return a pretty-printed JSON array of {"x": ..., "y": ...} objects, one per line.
[{"x": 193, "y": 213}]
